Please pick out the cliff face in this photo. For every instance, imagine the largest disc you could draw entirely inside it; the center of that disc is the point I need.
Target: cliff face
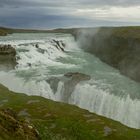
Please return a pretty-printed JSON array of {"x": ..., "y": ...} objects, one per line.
[{"x": 118, "y": 47}]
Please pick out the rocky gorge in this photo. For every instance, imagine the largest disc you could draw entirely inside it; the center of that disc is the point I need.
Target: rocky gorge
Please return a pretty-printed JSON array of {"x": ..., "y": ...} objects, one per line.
[
  {"x": 47, "y": 68},
  {"x": 119, "y": 47}
]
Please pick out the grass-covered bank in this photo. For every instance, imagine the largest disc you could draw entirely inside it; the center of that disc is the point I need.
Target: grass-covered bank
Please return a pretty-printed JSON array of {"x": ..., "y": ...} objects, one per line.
[{"x": 59, "y": 121}]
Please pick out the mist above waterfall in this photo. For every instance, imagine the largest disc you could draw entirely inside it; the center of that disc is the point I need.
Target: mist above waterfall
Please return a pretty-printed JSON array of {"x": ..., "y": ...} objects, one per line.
[{"x": 118, "y": 47}]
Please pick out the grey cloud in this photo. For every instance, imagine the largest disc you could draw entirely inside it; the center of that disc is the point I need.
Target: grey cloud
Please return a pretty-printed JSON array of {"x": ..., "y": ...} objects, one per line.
[
  {"x": 55, "y": 21},
  {"x": 55, "y": 13},
  {"x": 110, "y": 2},
  {"x": 68, "y": 3}
]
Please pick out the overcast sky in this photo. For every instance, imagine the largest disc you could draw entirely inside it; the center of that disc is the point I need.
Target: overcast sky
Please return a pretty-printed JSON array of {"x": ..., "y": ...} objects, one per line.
[{"x": 68, "y": 13}]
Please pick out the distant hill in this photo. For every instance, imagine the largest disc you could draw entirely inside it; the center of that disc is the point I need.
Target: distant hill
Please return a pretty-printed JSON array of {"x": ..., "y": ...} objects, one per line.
[{"x": 4, "y": 31}]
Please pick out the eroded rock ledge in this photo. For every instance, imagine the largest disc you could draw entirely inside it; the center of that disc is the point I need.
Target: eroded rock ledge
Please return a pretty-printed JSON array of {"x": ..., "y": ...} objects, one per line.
[{"x": 70, "y": 80}]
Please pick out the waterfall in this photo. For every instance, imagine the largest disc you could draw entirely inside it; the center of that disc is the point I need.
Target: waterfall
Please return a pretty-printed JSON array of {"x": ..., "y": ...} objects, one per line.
[{"x": 43, "y": 64}]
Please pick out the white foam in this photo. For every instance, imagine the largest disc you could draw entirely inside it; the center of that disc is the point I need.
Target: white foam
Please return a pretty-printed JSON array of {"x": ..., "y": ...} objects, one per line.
[{"x": 30, "y": 87}]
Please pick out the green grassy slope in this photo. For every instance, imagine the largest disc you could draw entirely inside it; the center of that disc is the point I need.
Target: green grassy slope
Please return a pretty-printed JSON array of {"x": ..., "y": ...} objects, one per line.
[{"x": 59, "y": 121}]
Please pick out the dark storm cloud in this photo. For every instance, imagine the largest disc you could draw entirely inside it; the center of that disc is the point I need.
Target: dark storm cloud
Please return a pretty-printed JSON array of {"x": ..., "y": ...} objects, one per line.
[{"x": 55, "y": 13}]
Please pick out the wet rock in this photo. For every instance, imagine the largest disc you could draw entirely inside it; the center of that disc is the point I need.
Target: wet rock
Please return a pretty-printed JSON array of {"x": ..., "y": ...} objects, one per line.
[
  {"x": 73, "y": 78},
  {"x": 41, "y": 50},
  {"x": 28, "y": 44},
  {"x": 7, "y": 49},
  {"x": 77, "y": 76},
  {"x": 29, "y": 64},
  {"x": 36, "y": 45},
  {"x": 53, "y": 81},
  {"x": 7, "y": 57},
  {"x": 58, "y": 44},
  {"x": 70, "y": 80}
]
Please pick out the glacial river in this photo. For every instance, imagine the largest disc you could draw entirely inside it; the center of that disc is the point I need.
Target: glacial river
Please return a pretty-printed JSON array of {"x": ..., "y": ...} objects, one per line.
[{"x": 40, "y": 57}]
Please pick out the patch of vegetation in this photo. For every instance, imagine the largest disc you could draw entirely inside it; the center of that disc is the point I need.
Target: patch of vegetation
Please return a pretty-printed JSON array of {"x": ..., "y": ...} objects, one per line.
[
  {"x": 13, "y": 129},
  {"x": 59, "y": 121},
  {"x": 3, "y": 32}
]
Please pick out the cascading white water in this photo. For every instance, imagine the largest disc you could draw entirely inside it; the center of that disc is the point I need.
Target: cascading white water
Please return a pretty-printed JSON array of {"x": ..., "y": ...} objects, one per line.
[
  {"x": 107, "y": 93},
  {"x": 102, "y": 102}
]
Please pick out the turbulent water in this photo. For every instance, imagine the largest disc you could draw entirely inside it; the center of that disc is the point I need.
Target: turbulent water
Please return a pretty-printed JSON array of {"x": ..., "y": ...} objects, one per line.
[{"x": 42, "y": 64}]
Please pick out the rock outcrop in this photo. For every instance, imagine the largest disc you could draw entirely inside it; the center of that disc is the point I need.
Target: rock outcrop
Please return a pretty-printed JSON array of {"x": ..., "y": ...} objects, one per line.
[
  {"x": 7, "y": 57},
  {"x": 77, "y": 77},
  {"x": 70, "y": 81},
  {"x": 7, "y": 50},
  {"x": 58, "y": 44}
]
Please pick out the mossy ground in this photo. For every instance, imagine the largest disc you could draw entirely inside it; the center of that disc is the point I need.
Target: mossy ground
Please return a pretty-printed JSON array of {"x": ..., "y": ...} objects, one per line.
[{"x": 59, "y": 121}]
